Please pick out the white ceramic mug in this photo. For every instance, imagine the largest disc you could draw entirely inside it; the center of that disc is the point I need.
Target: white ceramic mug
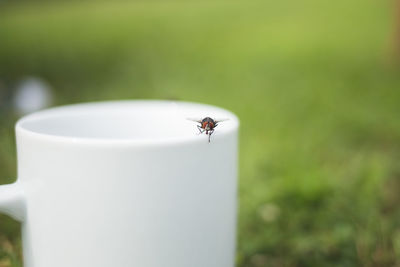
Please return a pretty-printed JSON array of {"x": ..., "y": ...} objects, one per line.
[{"x": 127, "y": 184}]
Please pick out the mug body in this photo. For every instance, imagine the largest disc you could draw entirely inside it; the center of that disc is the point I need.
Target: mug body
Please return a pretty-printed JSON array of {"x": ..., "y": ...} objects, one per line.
[{"x": 128, "y": 184}]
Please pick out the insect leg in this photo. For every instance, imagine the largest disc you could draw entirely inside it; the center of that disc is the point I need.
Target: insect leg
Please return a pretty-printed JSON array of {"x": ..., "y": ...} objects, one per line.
[
  {"x": 200, "y": 129},
  {"x": 209, "y": 135}
]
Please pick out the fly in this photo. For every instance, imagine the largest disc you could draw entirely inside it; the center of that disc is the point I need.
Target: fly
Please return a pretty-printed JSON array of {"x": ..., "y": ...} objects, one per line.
[{"x": 207, "y": 125}]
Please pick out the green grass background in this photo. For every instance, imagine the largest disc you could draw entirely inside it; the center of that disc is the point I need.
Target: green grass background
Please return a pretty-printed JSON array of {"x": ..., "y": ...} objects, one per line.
[{"x": 313, "y": 82}]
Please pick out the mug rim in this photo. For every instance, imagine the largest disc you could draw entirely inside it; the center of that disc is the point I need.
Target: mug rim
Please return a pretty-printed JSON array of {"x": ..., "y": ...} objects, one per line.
[{"x": 22, "y": 130}]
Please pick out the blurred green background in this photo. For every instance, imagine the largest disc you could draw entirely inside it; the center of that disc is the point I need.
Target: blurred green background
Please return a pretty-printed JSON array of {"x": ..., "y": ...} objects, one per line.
[{"x": 314, "y": 82}]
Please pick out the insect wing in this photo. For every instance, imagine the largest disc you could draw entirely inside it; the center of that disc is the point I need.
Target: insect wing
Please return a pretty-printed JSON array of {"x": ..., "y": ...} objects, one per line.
[
  {"x": 195, "y": 119},
  {"x": 220, "y": 120}
]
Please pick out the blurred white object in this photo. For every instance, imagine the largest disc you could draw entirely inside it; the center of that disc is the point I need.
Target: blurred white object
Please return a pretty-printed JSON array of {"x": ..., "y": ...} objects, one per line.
[{"x": 32, "y": 94}]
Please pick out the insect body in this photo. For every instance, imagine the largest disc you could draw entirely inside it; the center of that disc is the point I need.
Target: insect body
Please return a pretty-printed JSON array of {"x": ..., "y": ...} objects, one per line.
[{"x": 207, "y": 125}]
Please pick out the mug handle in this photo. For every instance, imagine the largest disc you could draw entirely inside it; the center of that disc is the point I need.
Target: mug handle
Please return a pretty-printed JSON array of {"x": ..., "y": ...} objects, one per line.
[{"x": 12, "y": 201}]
